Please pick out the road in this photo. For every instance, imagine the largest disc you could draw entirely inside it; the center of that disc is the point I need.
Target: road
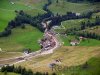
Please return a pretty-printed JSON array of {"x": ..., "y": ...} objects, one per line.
[{"x": 33, "y": 54}]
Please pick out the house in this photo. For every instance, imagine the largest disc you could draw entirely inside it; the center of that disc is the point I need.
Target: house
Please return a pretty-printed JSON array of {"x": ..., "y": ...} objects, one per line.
[
  {"x": 78, "y": 14},
  {"x": 0, "y": 50},
  {"x": 26, "y": 51},
  {"x": 82, "y": 38},
  {"x": 12, "y": 3},
  {"x": 74, "y": 42}
]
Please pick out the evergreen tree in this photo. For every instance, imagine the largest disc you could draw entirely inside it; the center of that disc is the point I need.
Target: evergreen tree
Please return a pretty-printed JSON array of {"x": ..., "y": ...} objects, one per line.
[
  {"x": 57, "y": 1},
  {"x": 5, "y": 72},
  {"x": 54, "y": 74}
]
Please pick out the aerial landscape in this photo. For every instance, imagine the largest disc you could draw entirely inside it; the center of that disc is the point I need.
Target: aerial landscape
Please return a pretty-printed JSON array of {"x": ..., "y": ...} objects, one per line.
[{"x": 49, "y": 37}]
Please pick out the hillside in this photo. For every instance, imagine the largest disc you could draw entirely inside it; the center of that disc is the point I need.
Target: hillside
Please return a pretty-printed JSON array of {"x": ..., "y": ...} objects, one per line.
[
  {"x": 8, "y": 7},
  {"x": 65, "y": 6},
  {"x": 21, "y": 39},
  {"x": 70, "y": 56},
  {"x": 49, "y": 37},
  {"x": 7, "y": 13}
]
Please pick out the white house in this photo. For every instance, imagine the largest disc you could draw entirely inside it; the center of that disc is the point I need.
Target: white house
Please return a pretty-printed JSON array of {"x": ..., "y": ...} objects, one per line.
[
  {"x": 74, "y": 42},
  {"x": 0, "y": 50},
  {"x": 12, "y": 3},
  {"x": 78, "y": 14}
]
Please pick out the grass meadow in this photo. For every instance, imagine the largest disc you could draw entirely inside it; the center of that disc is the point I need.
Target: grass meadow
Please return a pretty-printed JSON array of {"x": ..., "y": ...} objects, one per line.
[
  {"x": 7, "y": 10},
  {"x": 73, "y": 7},
  {"x": 21, "y": 39},
  {"x": 86, "y": 42}
]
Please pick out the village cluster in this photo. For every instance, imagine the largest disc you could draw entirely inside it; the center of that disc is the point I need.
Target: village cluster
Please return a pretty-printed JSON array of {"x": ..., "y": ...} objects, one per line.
[{"x": 47, "y": 42}]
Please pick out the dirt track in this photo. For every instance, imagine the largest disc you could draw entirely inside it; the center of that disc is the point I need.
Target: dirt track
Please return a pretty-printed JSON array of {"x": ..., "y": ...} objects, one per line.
[{"x": 16, "y": 60}]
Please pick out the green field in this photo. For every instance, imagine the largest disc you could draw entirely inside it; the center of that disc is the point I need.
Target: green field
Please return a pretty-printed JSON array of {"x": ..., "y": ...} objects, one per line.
[
  {"x": 5, "y": 17},
  {"x": 2, "y": 73},
  {"x": 73, "y": 23},
  {"x": 90, "y": 42},
  {"x": 63, "y": 7},
  {"x": 87, "y": 42},
  {"x": 69, "y": 24},
  {"x": 21, "y": 39},
  {"x": 7, "y": 10}
]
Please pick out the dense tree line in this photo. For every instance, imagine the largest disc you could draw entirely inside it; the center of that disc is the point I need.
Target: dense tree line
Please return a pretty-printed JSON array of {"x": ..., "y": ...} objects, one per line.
[
  {"x": 23, "y": 18},
  {"x": 22, "y": 71},
  {"x": 45, "y": 7},
  {"x": 88, "y": 35},
  {"x": 5, "y": 33},
  {"x": 57, "y": 19},
  {"x": 89, "y": 24},
  {"x": 83, "y": 33},
  {"x": 84, "y": 25}
]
